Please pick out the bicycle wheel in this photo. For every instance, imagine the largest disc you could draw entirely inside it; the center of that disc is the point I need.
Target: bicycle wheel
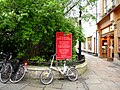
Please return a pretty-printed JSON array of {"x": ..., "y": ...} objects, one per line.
[
  {"x": 46, "y": 77},
  {"x": 19, "y": 75},
  {"x": 72, "y": 74},
  {"x": 1, "y": 67},
  {"x": 6, "y": 73}
]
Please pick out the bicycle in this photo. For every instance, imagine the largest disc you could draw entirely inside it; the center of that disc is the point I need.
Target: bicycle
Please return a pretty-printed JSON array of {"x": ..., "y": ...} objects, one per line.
[
  {"x": 18, "y": 68},
  {"x": 46, "y": 76},
  {"x": 5, "y": 67}
]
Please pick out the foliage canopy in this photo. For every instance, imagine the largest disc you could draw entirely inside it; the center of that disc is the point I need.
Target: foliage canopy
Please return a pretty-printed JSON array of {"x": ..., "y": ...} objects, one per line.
[{"x": 28, "y": 27}]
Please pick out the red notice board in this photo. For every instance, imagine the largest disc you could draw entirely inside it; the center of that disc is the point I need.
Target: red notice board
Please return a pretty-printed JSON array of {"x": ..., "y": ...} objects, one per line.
[{"x": 63, "y": 46}]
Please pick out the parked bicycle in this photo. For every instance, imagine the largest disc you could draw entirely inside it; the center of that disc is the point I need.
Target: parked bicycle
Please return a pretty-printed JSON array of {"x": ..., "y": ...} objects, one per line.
[
  {"x": 17, "y": 69},
  {"x": 46, "y": 76},
  {"x": 5, "y": 67}
]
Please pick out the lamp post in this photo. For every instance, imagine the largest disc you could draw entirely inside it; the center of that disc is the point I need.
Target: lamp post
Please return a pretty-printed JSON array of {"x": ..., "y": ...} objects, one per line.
[{"x": 80, "y": 12}]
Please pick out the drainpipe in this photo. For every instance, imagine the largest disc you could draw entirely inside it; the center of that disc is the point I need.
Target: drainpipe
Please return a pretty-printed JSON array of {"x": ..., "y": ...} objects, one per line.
[{"x": 96, "y": 30}]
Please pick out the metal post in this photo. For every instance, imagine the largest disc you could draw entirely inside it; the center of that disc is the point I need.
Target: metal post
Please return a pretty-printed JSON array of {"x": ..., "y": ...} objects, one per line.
[
  {"x": 79, "y": 57},
  {"x": 79, "y": 50}
]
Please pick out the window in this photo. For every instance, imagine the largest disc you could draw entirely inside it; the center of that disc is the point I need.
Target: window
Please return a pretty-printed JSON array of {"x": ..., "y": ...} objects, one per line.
[
  {"x": 108, "y": 5},
  {"x": 105, "y": 6},
  {"x": 113, "y": 2}
]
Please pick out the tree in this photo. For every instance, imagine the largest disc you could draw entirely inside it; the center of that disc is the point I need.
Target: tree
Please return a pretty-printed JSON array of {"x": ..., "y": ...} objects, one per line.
[{"x": 27, "y": 27}]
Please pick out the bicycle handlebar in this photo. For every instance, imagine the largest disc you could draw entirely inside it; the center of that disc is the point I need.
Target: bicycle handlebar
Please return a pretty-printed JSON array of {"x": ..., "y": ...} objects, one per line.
[
  {"x": 8, "y": 55},
  {"x": 54, "y": 54},
  {"x": 64, "y": 59}
]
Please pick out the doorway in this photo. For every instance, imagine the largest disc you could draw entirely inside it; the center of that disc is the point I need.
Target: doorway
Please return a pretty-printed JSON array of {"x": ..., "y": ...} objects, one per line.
[
  {"x": 104, "y": 47},
  {"x": 112, "y": 48}
]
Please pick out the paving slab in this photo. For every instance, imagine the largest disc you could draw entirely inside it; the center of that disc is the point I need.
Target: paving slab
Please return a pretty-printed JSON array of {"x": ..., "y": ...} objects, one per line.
[
  {"x": 2, "y": 85},
  {"x": 98, "y": 87},
  {"x": 32, "y": 88},
  {"x": 18, "y": 86},
  {"x": 100, "y": 75}
]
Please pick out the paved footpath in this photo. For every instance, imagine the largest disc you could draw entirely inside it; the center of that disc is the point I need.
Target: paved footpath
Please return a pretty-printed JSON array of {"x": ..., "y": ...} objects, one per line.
[{"x": 101, "y": 75}]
